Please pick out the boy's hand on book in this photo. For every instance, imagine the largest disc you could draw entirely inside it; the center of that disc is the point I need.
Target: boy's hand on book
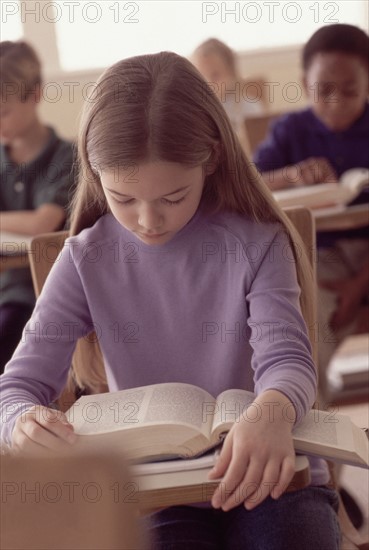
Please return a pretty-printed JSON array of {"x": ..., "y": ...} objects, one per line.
[
  {"x": 257, "y": 460},
  {"x": 307, "y": 172},
  {"x": 40, "y": 429},
  {"x": 349, "y": 297},
  {"x": 310, "y": 171}
]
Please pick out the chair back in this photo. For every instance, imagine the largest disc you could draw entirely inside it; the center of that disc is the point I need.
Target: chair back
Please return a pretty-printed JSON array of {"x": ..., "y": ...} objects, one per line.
[
  {"x": 304, "y": 223},
  {"x": 43, "y": 251},
  {"x": 87, "y": 372},
  {"x": 257, "y": 128}
]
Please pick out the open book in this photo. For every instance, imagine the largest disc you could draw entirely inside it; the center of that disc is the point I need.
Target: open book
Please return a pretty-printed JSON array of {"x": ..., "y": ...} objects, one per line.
[
  {"x": 171, "y": 420},
  {"x": 323, "y": 195},
  {"x": 349, "y": 366}
]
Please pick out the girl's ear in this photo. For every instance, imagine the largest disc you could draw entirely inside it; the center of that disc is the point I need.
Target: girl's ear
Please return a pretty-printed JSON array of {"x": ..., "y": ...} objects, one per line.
[{"x": 212, "y": 163}]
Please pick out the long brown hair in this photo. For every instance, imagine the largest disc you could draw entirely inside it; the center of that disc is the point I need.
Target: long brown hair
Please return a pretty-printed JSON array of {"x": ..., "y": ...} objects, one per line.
[{"x": 158, "y": 107}]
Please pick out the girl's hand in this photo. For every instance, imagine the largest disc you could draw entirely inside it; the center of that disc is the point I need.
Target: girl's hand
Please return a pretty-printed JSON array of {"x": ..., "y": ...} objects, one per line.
[
  {"x": 40, "y": 429},
  {"x": 257, "y": 460}
]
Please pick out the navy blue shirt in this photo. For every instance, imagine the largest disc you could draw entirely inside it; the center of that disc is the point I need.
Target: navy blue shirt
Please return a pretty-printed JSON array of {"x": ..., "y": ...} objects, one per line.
[
  {"x": 48, "y": 179},
  {"x": 297, "y": 136}
]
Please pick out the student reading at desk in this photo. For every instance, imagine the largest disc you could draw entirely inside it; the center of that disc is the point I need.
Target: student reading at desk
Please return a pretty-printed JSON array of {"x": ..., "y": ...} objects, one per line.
[
  {"x": 165, "y": 193},
  {"x": 35, "y": 180},
  {"x": 217, "y": 63},
  {"x": 317, "y": 145}
]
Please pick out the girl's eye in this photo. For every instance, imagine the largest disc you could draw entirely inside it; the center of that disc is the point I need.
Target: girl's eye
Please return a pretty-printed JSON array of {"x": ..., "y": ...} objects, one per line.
[
  {"x": 170, "y": 203},
  {"x": 122, "y": 202},
  {"x": 165, "y": 201}
]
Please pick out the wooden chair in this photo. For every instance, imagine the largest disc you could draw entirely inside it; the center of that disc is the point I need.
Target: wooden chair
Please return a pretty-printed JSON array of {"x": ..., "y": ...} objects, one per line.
[
  {"x": 302, "y": 220},
  {"x": 257, "y": 127},
  {"x": 43, "y": 251},
  {"x": 68, "y": 501},
  {"x": 257, "y": 88}
]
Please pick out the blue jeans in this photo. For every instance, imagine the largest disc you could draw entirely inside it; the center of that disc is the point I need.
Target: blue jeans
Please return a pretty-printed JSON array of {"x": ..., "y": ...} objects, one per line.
[{"x": 304, "y": 519}]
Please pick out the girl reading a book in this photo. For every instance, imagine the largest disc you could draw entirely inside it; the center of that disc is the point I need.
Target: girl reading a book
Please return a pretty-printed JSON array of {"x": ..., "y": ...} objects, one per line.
[{"x": 188, "y": 272}]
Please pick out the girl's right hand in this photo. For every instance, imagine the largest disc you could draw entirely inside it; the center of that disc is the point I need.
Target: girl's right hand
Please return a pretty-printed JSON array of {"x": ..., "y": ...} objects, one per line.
[{"x": 40, "y": 429}]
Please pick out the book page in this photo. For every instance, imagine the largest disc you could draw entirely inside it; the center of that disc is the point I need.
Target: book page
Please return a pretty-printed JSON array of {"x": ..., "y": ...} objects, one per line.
[
  {"x": 229, "y": 406},
  {"x": 178, "y": 465},
  {"x": 355, "y": 180},
  {"x": 326, "y": 195},
  {"x": 108, "y": 412},
  {"x": 332, "y": 435},
  {"x": 320, "y": 428},
  {"x": 318, "y": 195},
  {"x": 172, "y": 403},
  {"x": 182, "y": 404}
]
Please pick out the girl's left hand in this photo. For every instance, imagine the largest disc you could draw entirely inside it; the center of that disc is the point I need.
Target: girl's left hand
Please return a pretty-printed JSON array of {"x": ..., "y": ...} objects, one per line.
[{"x": 257, "y": 459}]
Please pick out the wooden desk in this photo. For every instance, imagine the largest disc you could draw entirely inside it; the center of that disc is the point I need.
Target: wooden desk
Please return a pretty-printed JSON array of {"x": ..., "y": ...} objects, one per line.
[
  {"x": 13, "y": 250},
  {"x": 351, "y": 217}
]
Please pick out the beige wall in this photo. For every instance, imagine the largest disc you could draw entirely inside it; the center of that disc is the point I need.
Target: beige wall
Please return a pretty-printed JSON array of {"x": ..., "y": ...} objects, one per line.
[
  {"x": 280, "y": 68},
  {"x": 65, "y": 93},
  {"x": 63, "y": 97}
]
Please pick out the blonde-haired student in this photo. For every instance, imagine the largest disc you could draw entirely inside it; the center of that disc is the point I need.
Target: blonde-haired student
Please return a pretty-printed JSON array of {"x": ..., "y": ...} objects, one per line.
[
  {"x": 35, "y": 179},
  {"x": 217, "y": 62},
  {"x": 183, "y": 264}
]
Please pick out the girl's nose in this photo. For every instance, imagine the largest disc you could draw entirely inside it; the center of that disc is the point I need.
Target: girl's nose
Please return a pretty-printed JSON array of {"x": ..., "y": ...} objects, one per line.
[{"x": 149, "y": 218}]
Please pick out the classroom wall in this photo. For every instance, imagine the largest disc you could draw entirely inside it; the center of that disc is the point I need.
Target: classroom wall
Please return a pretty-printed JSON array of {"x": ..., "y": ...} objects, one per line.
[
  {"x": 65, "y": 93},
  {"x": 280, "y": 68}
]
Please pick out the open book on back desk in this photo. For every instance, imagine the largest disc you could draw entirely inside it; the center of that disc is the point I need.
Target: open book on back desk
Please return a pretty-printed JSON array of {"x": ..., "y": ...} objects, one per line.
[
  {"x": 325, "y": 195},
  {"x": 349, "y": 367},
  {"x": 171, "y": 420}
]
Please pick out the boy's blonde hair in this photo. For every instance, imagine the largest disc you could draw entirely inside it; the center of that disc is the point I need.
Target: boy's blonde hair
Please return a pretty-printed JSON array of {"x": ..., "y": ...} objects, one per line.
[
  {"x": 213, "y": 46},
  {"x": 20, "y": 70},
  {"x": 158, "y": 107}
]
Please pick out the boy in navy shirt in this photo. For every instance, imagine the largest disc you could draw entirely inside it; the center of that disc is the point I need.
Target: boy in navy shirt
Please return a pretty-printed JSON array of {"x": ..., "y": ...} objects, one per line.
[
  {"x": 317, "y": 145},
  {"x": 35, "y": 176}
]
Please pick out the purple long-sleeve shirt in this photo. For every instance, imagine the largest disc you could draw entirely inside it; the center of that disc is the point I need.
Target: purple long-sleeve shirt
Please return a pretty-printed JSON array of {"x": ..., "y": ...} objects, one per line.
[{"x": 216, "y": 306}]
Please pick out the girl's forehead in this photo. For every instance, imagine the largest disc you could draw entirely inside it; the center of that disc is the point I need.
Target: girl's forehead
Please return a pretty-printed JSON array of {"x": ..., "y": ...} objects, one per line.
[{"x": 158, "y": 173}]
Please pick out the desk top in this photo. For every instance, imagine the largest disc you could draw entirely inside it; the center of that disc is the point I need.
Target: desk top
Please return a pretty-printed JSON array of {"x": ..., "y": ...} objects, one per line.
[
  {"x": 13, "y": 250},
  {"x": 336, "y": 218},
  {"x": 14, "y": 244}
]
